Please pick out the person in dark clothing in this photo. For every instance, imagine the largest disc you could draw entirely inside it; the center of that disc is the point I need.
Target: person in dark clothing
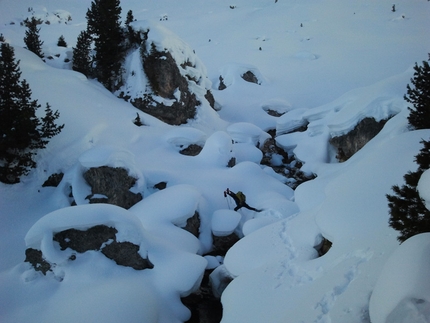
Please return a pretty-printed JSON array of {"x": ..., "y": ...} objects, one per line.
[{"x": 240, "y": 200}]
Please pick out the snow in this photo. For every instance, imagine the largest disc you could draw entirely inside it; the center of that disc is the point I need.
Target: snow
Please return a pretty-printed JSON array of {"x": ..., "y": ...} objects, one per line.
[
  {"x": 324, "y": 65},
  {"x": 408, "y": 299},
  {"x": 423, "y": 188},
  {"x": 224, "y": 222}
]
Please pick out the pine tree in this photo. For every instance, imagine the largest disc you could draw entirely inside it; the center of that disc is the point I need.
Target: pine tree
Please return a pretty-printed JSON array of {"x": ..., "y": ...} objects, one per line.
[
  {"x": 21, "y": 132},
  {"x": 129, "y": 19},
  {"x": 103, "y": 23},
  {"x": 419, "y": 96},
  {"x": 408, "y": 213},
  {"x": 49, "y": 128},
  {"x": 32, "y": 39},
  {"x": 61, "y": 42},
  {"x": 81, "y": 54}
]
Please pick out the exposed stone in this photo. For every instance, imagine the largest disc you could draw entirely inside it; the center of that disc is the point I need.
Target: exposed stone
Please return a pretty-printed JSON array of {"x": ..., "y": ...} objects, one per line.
[
  {"x": 191, "y": 150},
  {"x": 126, "y": 254},
  {"x": 53, "y": 180},
  {"x": 160, "y": 186},
  {"x": 323, "y": 247},
  {"x": 114, "y": 183},
  {"x": 348, "y": 144},
  {"x": 102, "y": 237},
  {"x": 221, "y": 85},
  {"x": 193, "y": 225},
  {"x": 35, "y": 258},
  {"x": 221, "y": 244},
  {"x": 282, "y": 163},
  {"x": 231, "y": 162},
  {"x": 85, "y": 240},
  {"x": 204, "y": 307},
  {"x": 250, "y": 77},
  {"x": 163, "y": 74},
  {"x": 274, "y": 113},
  {"x": 165, "y": 79},
  {"x": 209, "y": 96}
]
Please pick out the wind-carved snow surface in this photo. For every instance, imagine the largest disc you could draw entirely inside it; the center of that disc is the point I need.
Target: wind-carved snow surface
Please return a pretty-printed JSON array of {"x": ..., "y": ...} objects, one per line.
[{"x": 314, "y": 65}]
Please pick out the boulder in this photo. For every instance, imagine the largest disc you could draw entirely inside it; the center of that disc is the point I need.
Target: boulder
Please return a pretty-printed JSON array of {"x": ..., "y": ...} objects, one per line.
[
  {"x": 250, "y": 77},
  {"x": 85, "y": 240},
  {"x": 53, "y": 180},
  {"x": 102, "y": 238},
  {"x": 112, "y": 186},
  {"x": 193, "y": 225},
  {"x": 348, "y": 144},
  {"x": 171, "y": 83},
  {"x": 35, "y": 258}
]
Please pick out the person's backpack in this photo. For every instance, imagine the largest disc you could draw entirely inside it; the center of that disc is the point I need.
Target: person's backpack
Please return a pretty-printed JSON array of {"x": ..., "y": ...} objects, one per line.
[{"x": 241, "y": 197}]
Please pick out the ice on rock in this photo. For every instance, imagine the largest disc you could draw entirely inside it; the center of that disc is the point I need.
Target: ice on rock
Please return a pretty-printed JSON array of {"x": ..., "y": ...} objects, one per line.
[{"x": 224, "y": 222}]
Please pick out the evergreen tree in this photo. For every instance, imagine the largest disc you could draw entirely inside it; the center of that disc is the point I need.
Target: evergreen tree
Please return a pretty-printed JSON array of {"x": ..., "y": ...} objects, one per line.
[
  {"x": 103, "y": 21},
  {"x": 21, "y": 132},
  {"x": 81, "y": 54},
  {"x": 2, "y": 38},
  {"x": 419, "y": 96},
  {"x": 408, "y": 213},
  {"x": 129, "y": 19},
  {"x": 61, "y": 42},
  {"x": 32, "y": 39}
]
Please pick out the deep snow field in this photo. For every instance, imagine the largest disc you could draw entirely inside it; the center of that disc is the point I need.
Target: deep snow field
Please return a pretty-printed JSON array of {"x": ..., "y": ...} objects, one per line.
[{"x": 328, "y": 63}]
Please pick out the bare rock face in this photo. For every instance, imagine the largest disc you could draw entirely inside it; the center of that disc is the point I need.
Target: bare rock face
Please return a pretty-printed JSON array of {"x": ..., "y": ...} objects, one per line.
[
  {"x": 126, "y": 254},
  {"x": 347, "y": 145},
  {"x": 103, "y": 238},
  {"x": 114, "y": 184},
  {"x": 191, "y": 150},
  {"x": 53, "y": 180},
  {"x": 221, "y": 244},
  {"x": 167, "y": 82},
  {"x": 84, "y": 240},
  {"x": 174, "y": 83},
  {"x": 193, "y": 225},
  {"x": 250, "y": 77},
  {"x": 35, "y": 258}
]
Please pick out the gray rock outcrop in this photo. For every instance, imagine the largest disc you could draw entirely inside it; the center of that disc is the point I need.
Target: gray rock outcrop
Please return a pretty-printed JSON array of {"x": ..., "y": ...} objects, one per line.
[
  {"x": 348, "y": 144},
  {"x": 113, "y": 184}
]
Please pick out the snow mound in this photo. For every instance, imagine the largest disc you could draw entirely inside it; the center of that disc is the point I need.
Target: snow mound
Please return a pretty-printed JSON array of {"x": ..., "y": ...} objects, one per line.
[
  {"x": 244, "y": 132},
  {"x": 218, "y": 149},
  {"x": 423, "y": 187},
  {"x": 185, "y": 136},
  {"x": 402, "y": 292},
  {"x": 224, "y": 222},
  {"x": 83, "y": 217},
  {"x": 232, "y": 73}
]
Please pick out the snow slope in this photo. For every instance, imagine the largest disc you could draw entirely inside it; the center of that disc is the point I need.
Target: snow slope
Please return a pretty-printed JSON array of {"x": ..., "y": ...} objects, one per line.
[{"x": 327, "y": 64}]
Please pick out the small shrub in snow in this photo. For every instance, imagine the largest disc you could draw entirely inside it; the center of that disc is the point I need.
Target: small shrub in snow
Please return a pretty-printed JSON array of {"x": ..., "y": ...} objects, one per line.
[{"x": 61, "y": 42}]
